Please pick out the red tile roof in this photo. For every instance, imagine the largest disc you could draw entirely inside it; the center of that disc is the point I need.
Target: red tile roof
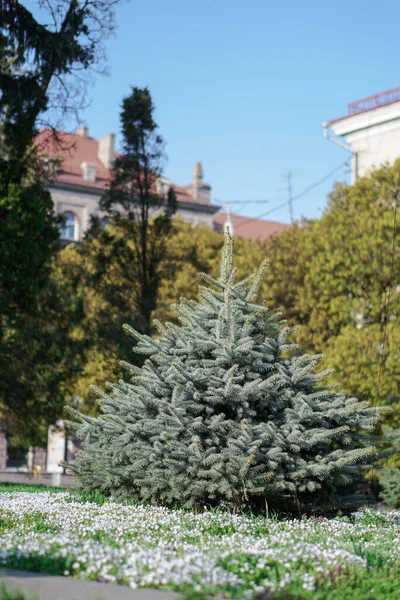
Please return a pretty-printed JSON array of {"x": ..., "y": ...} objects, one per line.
[
  {"x": 248, "y": 228},
  {"x": 76, "y": 149},
  {"x": 181, "y": 193}
]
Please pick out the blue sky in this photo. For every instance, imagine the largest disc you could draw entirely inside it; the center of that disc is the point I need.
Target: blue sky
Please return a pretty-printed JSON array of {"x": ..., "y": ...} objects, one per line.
[{"x": 244, "y": 86}]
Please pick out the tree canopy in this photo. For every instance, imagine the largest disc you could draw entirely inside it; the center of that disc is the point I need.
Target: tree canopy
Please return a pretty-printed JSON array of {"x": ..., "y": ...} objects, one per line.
[
  {"x": 38, "y": 62},
  {"x": 138, "y": 205},
  {"x": 338, "y": 276},
  {"x": 41, "y": 51}
]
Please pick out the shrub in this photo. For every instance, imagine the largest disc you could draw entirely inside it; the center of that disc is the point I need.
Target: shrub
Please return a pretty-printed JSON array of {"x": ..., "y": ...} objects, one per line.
[{"x": 225, "y": 410}]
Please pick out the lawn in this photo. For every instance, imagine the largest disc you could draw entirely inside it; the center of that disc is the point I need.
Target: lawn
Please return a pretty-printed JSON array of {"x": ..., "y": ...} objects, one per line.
[
  {"x": 209, "y": 553},
  {"x": 5, "y": 594}
]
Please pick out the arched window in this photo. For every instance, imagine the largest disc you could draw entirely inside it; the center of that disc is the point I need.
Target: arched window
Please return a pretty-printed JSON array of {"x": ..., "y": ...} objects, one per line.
[{"x": 70, "y": 230}]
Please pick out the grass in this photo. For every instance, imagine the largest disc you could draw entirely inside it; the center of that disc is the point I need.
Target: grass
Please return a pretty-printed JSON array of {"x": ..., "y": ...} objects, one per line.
[
  {"x": 85, "y": 535},
  {"x": 28, "y": 487},
  {"x": 6, "y": 594},
  {"x": 75, "y": 494}
]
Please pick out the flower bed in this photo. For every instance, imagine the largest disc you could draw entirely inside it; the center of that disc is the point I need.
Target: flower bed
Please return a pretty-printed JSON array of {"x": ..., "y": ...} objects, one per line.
[{"x": 210, "y": 552}]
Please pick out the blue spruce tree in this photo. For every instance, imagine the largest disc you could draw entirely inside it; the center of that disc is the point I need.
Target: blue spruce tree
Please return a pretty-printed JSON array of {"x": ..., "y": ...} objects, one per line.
[{"x": 224, "y": 409}]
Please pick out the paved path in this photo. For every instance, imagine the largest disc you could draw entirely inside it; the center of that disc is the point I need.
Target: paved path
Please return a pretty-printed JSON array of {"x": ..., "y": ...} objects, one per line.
[{"x": 38, "y": 586}]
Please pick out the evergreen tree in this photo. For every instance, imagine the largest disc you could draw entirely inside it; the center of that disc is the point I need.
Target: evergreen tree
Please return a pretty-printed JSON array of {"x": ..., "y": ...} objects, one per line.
[
  {"x": 41, "y": 355},
  {"x": 28, "y": 239},
  {"x": 224, "y": 409},
  {"x": 139, "y": 210},
  {"x": 37, "y": 65},
  {"x": 41, "y": 48}
]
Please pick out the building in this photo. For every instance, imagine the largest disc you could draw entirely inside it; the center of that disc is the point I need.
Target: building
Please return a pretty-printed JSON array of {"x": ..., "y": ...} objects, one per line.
[
  {"x": 370, "y": 131},
  {"x": 84, "y": 175},
  {"x": 247, "y": 227}
]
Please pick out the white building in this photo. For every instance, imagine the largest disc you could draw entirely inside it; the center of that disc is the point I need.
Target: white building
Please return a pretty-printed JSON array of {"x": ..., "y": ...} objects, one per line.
[
  {"x": 370, "y": 131},
  {"x": 84, "y": 175}
]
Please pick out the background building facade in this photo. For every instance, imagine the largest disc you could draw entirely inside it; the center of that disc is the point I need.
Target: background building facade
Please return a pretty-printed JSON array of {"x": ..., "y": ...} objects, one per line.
[
  {"x": 370, "y": 131},
  {"x": 85, "y": 167}
]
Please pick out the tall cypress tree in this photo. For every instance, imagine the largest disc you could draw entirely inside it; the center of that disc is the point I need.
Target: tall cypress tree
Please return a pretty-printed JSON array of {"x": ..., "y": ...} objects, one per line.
[
  {"x": 141, "y": 213},
  {"x": 225, "y": 408}
]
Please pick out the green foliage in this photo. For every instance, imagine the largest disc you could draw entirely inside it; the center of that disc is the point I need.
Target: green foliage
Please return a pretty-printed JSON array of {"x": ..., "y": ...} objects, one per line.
[
  {"x": 92, "y": 496},
  {"x": 52, "y": 565},
  {"x": 347, "y": 558},
  {"x": 37, "y": 64},
  {"x": 359, "y": 360},
  {"x": 6, "y": 594},
  {"x": 225, "y": 409},
  {"x": 330, "y": 272},
  {"x": 140, "y": 213},
  {"x": 337, "y": 277},
  {"x": 40, "y": 359},
  {"x": 28, "y": 239},
  {"x": 350, "y": 256},
  {"x": 283, "y": 285},
  {"x": 389, "y": 476},
  {"x": 102, "y": 299},
  {"x": 100, "y": 302},
  {"x": 6, "y": 488},
  {"x": 189, "y": 250},
  {"x": 344, "y": 583},
  {"x": 33, "y": 331},
  {"x": 106, "y": 291}
]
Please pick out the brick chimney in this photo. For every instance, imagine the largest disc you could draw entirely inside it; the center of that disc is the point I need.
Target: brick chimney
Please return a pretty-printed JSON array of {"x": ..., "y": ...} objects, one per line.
[{"x": 106, "y": 150}]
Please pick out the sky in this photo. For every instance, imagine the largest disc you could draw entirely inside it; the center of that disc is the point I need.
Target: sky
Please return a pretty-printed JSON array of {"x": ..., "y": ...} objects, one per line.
[{"x": 244, "y": 85}]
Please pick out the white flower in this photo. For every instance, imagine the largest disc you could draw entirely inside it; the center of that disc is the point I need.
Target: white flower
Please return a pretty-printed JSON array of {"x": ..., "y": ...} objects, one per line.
[{"x": 154, "y": 546}]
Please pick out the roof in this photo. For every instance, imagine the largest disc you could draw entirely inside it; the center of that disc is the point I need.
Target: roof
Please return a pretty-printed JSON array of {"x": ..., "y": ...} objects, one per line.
[
  {"x": 76, "y": 149},
  {"x": 248, "y": 228},
  {"x": 370, "y": 103},
  {"x": 182, "y": 194}
]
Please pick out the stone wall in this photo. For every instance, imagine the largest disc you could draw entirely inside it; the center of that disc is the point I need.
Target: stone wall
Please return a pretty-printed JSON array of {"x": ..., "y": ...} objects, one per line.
[{"x": 39, "y": 458}]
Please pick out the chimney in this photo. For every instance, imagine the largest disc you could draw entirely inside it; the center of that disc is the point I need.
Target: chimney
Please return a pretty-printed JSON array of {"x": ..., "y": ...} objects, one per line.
[
  {"x": 198, "y": 174},
  {"x": 82, "y": 131},
  {"x": 199, "y": 190},
  {"x": 106, "y": 151}
]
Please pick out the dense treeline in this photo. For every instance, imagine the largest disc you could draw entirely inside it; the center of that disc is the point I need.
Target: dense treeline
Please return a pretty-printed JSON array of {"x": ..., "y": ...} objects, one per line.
[{"x": 334, "y": 276}]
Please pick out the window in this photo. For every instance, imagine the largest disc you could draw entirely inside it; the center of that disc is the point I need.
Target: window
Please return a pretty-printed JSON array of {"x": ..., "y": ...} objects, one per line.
[
  {"x": 88, "y": 171},
  {"x": 69, "y": 230}
]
